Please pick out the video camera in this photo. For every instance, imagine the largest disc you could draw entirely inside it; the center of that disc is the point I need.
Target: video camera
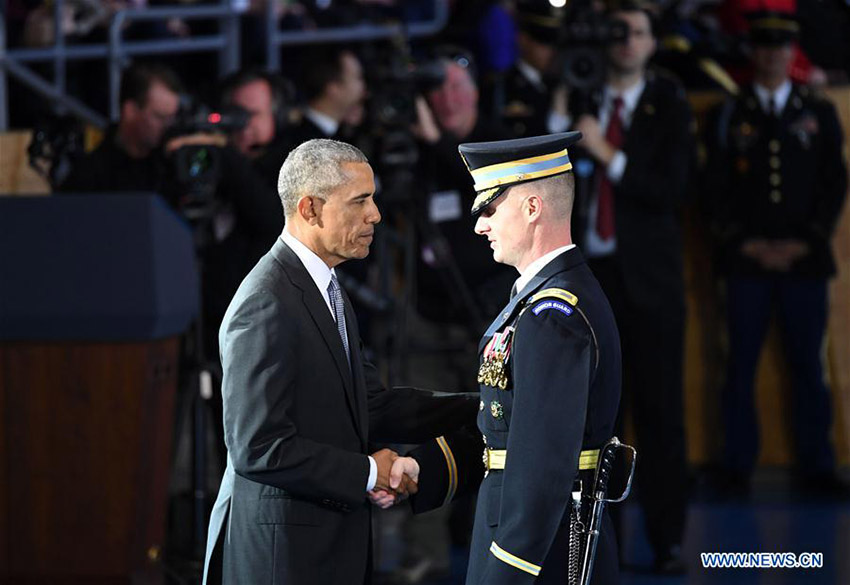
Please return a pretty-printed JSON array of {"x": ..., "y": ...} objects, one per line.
[
  {"x": 197, "y": 166},
  {"x": 57, "y": 143},
  {"x": 396, "y": 82},
  {"x": 583, "y": 38}
]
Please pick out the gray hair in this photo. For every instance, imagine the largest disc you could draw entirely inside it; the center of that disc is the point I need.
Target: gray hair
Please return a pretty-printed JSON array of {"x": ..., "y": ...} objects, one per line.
[{"x": 314, "y": 168}]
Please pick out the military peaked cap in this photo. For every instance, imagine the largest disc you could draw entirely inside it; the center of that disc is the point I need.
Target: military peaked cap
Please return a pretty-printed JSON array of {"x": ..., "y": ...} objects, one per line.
[
  {"x": 495, "y": 166},
  {"x": 772, "y": 28}
]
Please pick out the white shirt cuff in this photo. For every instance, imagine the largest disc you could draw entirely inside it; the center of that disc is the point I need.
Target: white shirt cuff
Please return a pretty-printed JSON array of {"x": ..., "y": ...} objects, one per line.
[
  {"x": 617, "y": 167},
  {"x": 557, "y": 122},
  {"x": 373, "y": 474}
]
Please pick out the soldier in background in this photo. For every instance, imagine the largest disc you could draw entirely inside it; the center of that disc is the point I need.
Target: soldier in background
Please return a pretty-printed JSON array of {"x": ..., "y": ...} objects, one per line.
[
  {"x": 531, "y": 99},
  {"x": 776, "y": 182}
]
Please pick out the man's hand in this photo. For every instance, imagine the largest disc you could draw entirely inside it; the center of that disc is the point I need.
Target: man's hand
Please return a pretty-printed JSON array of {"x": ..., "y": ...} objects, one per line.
[
  {"x": 384, "y": 460},
  {"x": 426, "y": 128},
  {"x": 593, "y": 140},
  {"x": 776, "y": 255},
  {"x": 197, "y": 139},
  {"x": 404, "y": 477}
]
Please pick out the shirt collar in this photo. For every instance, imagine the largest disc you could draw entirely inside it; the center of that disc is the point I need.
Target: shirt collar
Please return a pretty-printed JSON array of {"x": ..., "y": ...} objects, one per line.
[
  {"x": 326, "y": 124},
  {"x": 316, "y": 267},
  {"x": 531, "y": 74},
  {"x": 532, "y": 269},
  {"x": 780, "y": 95},
  {"x": 630, "y": 96}
]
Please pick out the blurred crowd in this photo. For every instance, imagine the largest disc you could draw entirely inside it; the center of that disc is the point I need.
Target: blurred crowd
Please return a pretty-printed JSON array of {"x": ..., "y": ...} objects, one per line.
[{"x": 764, "y": 165}]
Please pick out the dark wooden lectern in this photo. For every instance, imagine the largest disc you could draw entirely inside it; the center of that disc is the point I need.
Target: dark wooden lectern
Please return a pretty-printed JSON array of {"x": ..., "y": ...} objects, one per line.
[{"x": 93, "y": 296}]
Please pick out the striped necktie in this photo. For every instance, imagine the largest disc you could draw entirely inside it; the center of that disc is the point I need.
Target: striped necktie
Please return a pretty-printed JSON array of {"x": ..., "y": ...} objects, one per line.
[{"x": 335, "y": 296}]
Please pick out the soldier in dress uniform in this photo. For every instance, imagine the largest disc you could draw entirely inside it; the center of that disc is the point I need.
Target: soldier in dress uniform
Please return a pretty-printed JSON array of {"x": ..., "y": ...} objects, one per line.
[
  {"x": 777, "y": 181},
  {"x": 531, "y": 98},
  {"x": 549, "y": 375}
]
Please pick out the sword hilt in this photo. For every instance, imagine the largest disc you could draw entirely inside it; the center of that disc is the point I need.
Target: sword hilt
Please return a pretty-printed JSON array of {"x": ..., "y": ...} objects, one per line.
[{"x": 603, "y": 469}]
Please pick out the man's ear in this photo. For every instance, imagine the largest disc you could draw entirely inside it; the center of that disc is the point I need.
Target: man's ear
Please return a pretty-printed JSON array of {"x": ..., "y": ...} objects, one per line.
[
  {"x": 532, "y": 207},
  {"x": 310, "y": 209}
]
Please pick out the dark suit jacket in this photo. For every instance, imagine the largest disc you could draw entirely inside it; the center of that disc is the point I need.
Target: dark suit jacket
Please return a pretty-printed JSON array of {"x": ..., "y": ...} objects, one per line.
[
  {"x": 292, "y": 507},
  {"x": 648, "y": 199}
]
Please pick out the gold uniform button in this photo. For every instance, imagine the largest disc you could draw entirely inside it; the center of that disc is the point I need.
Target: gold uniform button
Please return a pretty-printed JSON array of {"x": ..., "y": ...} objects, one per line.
[
  {"x": 774, "y": 162},
  {"x": 481, "y": 405},
  {"x": 773, "y": 145},
  {"x": 775, "y": 196},
  {"x": 775, "y": 179}
]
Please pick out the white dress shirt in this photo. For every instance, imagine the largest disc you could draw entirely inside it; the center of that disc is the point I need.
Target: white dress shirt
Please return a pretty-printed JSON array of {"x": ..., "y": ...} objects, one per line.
[
  {"x": 326, "y": 124},
  {"x": 780, "y": 96},
  {"x": 532, "y": 269}
]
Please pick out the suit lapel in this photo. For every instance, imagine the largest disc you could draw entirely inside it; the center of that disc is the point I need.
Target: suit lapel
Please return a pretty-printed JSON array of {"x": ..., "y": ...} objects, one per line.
[{"x": 321, "y": 316}]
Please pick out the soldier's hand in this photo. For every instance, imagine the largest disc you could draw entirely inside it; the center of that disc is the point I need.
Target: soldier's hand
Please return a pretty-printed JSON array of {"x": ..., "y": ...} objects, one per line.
[{"x": 404, "y": 476}]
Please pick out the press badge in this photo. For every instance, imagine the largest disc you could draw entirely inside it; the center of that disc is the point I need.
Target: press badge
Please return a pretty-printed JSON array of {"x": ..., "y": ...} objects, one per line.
[{"x": 444, "y": 206}]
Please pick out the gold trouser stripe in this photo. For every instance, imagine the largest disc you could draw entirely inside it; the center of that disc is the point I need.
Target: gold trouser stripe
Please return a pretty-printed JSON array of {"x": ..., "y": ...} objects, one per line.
[
  {"x": 495, "y": 459},
  {"x": 513, "y": 560},
  {"x": 452, "y": 465}
]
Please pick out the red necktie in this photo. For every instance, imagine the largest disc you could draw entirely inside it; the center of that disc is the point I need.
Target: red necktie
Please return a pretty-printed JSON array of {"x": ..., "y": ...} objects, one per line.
[{"x": 605, "y": 203}]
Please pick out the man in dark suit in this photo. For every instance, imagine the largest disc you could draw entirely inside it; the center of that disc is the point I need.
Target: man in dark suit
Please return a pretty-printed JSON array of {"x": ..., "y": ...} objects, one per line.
[
  {"x": 629, "y": 194},
  {"x": 549, "y": 374},
  {"x": 776, "y": 180},
  {"x": 301, "y": 405},
  {"x": 335, "y": 91}
]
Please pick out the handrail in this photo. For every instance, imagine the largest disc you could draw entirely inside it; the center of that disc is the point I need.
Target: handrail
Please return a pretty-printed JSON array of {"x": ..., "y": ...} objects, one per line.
[
  {"x": 363, "y": 32},
  {"x": 118, "y": 49},
  {"x": 226, "y": 43}
]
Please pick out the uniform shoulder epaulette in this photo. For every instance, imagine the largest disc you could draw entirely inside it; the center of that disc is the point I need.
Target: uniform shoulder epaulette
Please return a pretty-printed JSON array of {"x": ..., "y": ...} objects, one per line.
[
  {"x": 552, "y": 298},
  {"x": 554, "y": 293}
]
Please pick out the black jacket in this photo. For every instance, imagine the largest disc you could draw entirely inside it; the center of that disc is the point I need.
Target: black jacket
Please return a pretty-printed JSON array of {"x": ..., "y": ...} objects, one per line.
[
  {"x": 660, "y": 154},
  {"x": 776, "y": 179}
]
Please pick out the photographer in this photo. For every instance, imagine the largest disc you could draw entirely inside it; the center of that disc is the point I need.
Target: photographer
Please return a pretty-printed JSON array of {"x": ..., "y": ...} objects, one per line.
[
  {"x": 457, "y": 284},
  {"x": 264, "y": 139},
  {"x": 130, "y": 157},
  {"x": 448, "y": 116}
]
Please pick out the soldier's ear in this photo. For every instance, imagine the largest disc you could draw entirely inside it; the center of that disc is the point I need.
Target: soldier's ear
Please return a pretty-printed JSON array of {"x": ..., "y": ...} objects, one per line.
[{"x": 532, "y": 207}]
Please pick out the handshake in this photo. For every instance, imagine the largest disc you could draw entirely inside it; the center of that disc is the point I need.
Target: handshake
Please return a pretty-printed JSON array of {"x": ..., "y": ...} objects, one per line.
[{"x": 397, "y": 478}]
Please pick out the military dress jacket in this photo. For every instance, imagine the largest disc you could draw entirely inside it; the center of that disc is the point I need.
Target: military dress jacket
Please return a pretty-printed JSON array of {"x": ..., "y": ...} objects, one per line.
[
  {"x": 776, "y": 177},
  {"x": 557, "y": 394},
  {"x": 525, "y": 106},
  {"x": 299, "y": 422}
]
